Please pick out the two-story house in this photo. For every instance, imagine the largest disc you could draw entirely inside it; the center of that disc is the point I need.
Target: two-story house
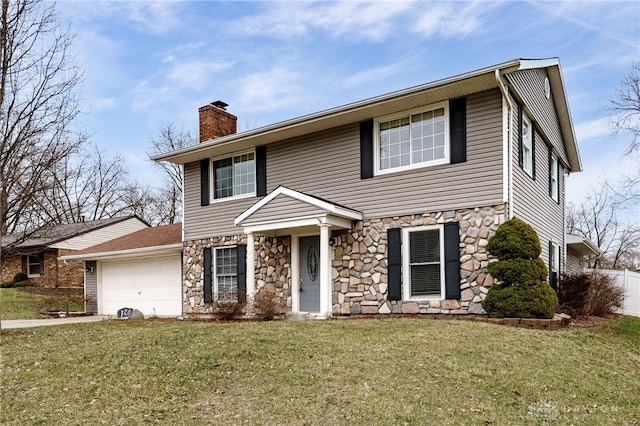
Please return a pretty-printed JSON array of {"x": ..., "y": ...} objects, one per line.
[{"x": 380, "y": 206}]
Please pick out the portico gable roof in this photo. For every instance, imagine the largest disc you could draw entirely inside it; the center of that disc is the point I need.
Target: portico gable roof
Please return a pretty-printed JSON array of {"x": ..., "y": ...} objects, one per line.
[{"x": 285, "y": 209}]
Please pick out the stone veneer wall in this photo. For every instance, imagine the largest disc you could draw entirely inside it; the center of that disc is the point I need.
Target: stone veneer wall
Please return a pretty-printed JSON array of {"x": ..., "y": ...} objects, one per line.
[
  {"x": 359, "y": 267},
  {"x": 272, "y": 270}
]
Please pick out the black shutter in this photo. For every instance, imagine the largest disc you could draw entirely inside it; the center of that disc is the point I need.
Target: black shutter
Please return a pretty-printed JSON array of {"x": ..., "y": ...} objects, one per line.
[
  {"x": 458, "y": 129},
  {"x": 366, "y": 149},
  {"x": 452, "y": 260},
  {"x": 261, "y": 171},
  {"x": 394, "y": 248},
  {"x": 520, "y": 140},
  {"x": 204, "y": 182},
  {"x": 208, "y": 286},
  {"x": 241, "y": 273}
]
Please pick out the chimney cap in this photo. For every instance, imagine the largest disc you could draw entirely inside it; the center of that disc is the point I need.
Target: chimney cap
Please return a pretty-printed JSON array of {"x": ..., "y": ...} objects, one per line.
[{"x": 220, "y": 104}]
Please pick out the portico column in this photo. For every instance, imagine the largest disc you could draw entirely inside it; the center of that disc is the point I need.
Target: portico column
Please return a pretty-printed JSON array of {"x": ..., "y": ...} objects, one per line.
[
  {"x": 251, "y": 267},
  {"x": 325, "y": 271}
]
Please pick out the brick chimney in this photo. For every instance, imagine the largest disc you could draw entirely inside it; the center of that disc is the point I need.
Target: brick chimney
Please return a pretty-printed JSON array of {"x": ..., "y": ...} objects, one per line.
[{"x": 215, "y": 121}]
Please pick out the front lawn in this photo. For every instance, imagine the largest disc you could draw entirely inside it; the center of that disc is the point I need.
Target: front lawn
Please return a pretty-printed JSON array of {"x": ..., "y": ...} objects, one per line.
[
  {"x": 353, "y": 372},
  {"x": 17, "y": 304}
]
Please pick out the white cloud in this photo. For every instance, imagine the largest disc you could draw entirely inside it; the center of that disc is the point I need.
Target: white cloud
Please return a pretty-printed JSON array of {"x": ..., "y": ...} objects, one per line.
[
  {"x": 269, "y": 90},
  {"x": 100, "y": 104},
  {"x": 358, "y": 20},
  {"x": 450, "y": 19},
  {"x": 157, "y": 17},
  {"x": 593, "y": 129},
  {"x": 617, "y": 21},
  {"x": 178, "y": 52},
  {"x": 196, "y": 75}
]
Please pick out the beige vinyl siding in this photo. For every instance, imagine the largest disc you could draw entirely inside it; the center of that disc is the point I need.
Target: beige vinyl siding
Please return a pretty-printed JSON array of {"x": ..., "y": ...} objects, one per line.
[
  {"x": 283, "y": 206},
  {"x": 91, "y": 287},
  {"x": 327, "y": 165},
  {"x": 575, "y": 262},
  {"x": 217, "y": 218},
  {"x": 529, "y": 85},
  {"x": 531, "y": 200},
  {"x": 102, "y": 235}
]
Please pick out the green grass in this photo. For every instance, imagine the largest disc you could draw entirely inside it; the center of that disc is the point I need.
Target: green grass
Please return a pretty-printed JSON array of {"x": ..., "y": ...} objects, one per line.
[
  {"x": 16, "y": 304},
  {"x": 355, "y": 372}
]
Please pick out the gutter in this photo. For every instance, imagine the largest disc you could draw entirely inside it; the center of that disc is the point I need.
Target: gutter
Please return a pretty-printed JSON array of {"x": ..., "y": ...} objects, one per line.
[
  {"x": 505, "y": 95},
  {"x": 169, "y": 248}
]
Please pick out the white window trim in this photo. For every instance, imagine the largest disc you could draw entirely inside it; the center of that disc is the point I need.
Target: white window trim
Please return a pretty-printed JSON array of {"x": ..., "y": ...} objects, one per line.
[
  {"x": 214, "y": 266},
  {"x": 555, "y": 177},
  {"x": 528, "y": 144},
  {"x": 212, "y": 178},
  {"x": 556, "y": 257},
  {"x": 406, "y": 269},
  {"x": 40, "y": 267},
  {"x": 376, "y": 135}
]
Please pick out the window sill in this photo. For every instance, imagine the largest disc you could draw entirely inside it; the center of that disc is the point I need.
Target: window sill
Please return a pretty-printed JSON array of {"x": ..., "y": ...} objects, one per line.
[{"x": 236, "y": 197}]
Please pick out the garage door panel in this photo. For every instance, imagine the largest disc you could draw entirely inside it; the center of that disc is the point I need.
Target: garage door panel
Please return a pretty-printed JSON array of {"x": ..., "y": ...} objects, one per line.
[{"x": 152, "y": 285}]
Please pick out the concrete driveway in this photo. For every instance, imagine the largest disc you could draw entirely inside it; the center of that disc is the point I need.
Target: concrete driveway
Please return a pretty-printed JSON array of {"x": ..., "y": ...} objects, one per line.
[{"x": 8, "y": 324}]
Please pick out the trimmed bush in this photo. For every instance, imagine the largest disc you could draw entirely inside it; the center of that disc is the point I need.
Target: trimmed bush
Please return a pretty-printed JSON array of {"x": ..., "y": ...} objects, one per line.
[
  {"x": 20, "y": 276},
  {"x": 519, "y": 270},
  {"x": 522, "y": 291},
  {"x": 521, "y": 301},
  {"x": 515, "y": 239}
]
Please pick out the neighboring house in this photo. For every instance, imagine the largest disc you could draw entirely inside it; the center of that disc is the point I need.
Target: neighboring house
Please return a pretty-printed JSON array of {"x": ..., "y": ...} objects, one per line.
[
  {"x": 38, "y": 254},
  {"x": 581, "y": 252},
  {"x": 380, "y": 206},
  {"x": 141, "y": 270}
]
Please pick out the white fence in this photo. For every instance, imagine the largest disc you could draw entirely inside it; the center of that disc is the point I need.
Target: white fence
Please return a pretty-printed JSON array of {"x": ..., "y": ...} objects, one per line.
[{"x": 630, "y": 282}]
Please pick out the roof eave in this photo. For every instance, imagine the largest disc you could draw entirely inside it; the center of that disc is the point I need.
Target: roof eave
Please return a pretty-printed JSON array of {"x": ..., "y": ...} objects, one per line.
[
  {"x": 136, "y": 252},
  {"x": 327, "y": 118}
]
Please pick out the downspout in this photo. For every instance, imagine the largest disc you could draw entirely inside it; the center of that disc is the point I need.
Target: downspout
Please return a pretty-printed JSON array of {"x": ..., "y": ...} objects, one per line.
[{"x": 505, "y": 95}]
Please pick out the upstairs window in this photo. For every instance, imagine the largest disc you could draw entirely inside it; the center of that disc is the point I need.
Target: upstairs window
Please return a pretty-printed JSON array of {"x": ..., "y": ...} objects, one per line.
[
  {"x": 411, "y": 140},
  {"x": 527, "y": 144},
  {"x": 234, "y": 176},
  {"x": 553, "y": 177}
]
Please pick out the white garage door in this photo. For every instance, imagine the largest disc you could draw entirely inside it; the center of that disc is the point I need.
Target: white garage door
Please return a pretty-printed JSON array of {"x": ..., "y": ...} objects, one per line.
[{"x": 151, "y": 285}]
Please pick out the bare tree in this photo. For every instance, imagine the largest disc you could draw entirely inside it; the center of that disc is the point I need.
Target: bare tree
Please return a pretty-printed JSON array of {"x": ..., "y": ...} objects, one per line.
[
  {"x": 625, "y": 114},
  {"x": 626, "y": 106},
  {"x": 90, "y": 185},
  {"x": 169, "y": 197},
  {"x": 599, "y": 217},
  {"x": 38, "y": 103}
]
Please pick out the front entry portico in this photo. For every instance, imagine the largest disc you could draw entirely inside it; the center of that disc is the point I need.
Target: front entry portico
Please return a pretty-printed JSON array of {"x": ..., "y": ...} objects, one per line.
[{"x": 309, "y": 221}]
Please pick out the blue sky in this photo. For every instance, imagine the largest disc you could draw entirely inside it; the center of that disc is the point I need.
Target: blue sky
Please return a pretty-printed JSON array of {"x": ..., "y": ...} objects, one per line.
[{"x": 151, "y": 63}]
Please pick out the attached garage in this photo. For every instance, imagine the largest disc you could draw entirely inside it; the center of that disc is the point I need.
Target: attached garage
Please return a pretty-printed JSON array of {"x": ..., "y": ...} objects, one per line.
[
  {"x": 149, "y": 284},
  {"x": 141, "y": 270}
]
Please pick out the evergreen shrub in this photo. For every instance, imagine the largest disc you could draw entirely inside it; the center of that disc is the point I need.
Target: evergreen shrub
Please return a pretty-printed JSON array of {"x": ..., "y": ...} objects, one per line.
[{"x": 522, "y": 290}]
